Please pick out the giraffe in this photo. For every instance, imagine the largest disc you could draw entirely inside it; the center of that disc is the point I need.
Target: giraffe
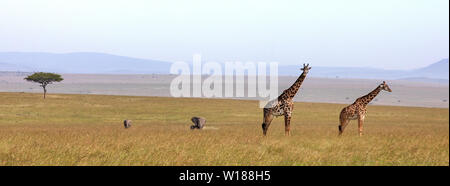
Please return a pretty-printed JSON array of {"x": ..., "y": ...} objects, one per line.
[
  {"x": 283, "y": 105},
  {"x": 358, "y": 110}
]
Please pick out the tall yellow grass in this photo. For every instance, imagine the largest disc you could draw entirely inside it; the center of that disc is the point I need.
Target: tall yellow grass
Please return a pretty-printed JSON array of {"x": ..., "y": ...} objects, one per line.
[{"x": 88, "y": 130}]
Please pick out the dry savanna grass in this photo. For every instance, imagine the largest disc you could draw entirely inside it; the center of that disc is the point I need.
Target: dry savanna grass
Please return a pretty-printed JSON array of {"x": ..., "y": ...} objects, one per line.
[{"x": 88, "y": 130}]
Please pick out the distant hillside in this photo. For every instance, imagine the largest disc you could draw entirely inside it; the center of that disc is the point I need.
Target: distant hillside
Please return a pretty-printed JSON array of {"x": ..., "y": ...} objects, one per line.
[
  {"x": 14, "y": 67},
  {"x": 81, "y": 62},
  {"x": 100, "y": 63},
  {"x": 438, "y": 70}
]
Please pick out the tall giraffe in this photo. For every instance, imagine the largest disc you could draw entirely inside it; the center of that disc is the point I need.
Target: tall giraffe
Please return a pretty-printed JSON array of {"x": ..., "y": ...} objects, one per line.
[
  {"x": 283, "y": 105},
  {"x": 358, "y": 110}
]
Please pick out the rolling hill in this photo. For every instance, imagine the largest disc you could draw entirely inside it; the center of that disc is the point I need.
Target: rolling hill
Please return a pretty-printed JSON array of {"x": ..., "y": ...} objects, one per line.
[
  {"x": 80, "y": 62},
  {"x": 101, "y": 63}
]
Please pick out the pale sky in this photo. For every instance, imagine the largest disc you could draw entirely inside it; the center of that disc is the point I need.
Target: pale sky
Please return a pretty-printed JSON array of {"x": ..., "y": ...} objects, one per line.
[{"x": 390, "y": 34}]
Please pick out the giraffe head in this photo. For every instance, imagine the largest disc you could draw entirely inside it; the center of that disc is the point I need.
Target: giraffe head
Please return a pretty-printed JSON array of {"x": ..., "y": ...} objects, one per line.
[
  {"x": 305, "y": 68},
  {"x": 385, "y": 87}
]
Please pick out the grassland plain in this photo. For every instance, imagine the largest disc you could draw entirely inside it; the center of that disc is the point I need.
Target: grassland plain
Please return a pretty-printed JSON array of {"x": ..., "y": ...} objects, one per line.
[{"x": 69, "y": 129}]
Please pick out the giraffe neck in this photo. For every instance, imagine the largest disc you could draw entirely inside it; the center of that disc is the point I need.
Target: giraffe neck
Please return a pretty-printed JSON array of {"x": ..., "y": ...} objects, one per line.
[
  {"x": 369, "y": 97},
  {"x": 291, "y": 91}
]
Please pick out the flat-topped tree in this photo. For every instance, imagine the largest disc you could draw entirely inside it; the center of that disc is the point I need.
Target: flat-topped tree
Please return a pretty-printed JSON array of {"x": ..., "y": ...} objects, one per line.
[{"x": 44, "y": 79}]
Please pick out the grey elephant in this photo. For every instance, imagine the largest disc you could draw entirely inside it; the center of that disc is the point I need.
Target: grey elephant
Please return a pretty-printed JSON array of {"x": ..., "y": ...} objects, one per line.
[{"x": 199, "y": 122}]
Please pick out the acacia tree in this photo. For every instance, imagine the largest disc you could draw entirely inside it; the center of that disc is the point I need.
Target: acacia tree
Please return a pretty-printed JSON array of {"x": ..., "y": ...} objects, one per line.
[{"x": 44, "y": 79}]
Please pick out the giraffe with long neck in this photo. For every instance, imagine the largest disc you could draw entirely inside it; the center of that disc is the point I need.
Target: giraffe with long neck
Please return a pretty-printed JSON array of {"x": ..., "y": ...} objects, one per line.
[
  {"x": 284, "y": 104},
  {"x": 358, "y": 109}
]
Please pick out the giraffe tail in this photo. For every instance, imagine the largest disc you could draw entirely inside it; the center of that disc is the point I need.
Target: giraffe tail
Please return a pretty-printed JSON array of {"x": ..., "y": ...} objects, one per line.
[{"x": 264, "y": 128}]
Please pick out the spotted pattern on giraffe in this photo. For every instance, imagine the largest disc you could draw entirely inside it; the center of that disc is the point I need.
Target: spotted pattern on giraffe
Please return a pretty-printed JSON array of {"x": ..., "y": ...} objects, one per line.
[
  {"x": 358, "y": 109},
  {"x": 284, "y": 104}
]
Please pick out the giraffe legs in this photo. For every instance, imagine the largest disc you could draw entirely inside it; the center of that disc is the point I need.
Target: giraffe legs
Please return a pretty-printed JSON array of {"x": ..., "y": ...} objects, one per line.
[
  {"x": 268, "y": 117},
  {"x": 344, "y": 122},
  {"x": 360, "y": 124},
  {"x": 287, "y": 124}
]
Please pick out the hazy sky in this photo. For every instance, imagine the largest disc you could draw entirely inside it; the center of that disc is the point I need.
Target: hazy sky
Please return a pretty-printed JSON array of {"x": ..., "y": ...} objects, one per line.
[{"x": 391, "y": 34}]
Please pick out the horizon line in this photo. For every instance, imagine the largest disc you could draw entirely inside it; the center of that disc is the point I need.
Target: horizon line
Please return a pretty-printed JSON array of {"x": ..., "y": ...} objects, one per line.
[{"x": 166, "y": 61}]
